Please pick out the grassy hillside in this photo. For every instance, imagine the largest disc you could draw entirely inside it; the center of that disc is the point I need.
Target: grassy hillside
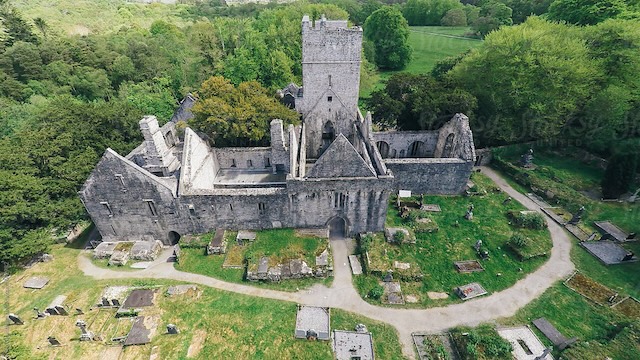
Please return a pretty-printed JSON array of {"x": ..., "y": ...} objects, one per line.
[{"x": 82, "y": 17}]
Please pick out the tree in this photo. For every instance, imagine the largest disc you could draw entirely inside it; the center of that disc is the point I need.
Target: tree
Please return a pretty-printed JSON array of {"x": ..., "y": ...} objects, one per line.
[
  {"x": 619, "y": 175},
  {"x": 530, "y": 81},
  {"x": 454, "y": 17},
  {"x": 428, "y": 12},
  {"x": 42, "y": 25},
  {"x": 585, "y": 12},
  {"x": 237, "y": 115},
  {"x": 389, "y": 32},
  {"x": 493, "y": 14}
]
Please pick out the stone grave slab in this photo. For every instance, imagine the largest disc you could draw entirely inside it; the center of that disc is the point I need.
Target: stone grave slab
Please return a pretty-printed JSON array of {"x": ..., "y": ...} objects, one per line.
[
  {"x": 313, "y": 322},
  {"x": 114, "y": 292},
  {"x": 468, "y": 266},
  {"x": 553, "y": 334},
  {"x": 139, "y": 298},
  {"x": 104, "y": 250},
  {"x": 610, "y": 231},
  {"x": 145, "y": 250},
  {"x": 119, "y": 258},
  {"x": 424, "y": 344},
  {"x": 412, "y": 299},
  {"x": 608, "y": 252},
  {"x": 36, "y": 282},
  {"x": 180, "y": 289},
  {"x": 322, "y": 233},
  {"x": 15, "y": 319},
  {"x": 401, "y": 265},
  {"x": 218, "y": 245},
  {"x": 538, "y": 200},
  {"x": 141, "y": 265},
  {"x": 525, "y": 344},
  {"x": 348, "y": 345},
  {"x": 392, "y": 293},
  {"x": 404, "y": 193},
  {"x": 356, "y": 267},
  {"x": 470, "y": 291},
  {"x": 323, "y": 258},
  {"x": 433, "y": 295},
  {"x": 430, "y": 207},
  {"x": 263, "y": 265},
  {"x": 139, "y": 333},
  {"x": 244, "y": 236}
]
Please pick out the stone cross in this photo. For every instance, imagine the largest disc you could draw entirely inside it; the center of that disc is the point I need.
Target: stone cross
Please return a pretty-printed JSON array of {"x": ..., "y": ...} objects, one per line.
[
  {"x": 53, "y": 341},
  {"x": 15, "y": 319},
  {"x": 172, "y": 329},
  {"x": 86, "y": 334}
]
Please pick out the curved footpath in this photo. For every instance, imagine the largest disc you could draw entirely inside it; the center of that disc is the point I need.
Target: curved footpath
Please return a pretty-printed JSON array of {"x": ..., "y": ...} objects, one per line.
[{"x": 343, "y": 295}]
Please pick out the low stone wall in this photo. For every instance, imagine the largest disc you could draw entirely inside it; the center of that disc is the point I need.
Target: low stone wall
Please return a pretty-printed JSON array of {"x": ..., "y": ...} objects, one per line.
[{"x": 293, "y": 269}]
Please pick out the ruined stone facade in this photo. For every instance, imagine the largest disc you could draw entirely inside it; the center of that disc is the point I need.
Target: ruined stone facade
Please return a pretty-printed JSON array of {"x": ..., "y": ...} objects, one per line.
[{"x": 331, "y": 171}]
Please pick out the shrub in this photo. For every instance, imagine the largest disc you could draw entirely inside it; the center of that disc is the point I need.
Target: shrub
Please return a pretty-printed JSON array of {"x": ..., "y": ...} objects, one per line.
[
  {"x": 365, "y": 243},
  {"x": 527, "y": 219},
  {"x": 519, "y": 241},
  {"x": 399, "y": 237},
  {"x": 619, "y": 175},
  {"x": 376, "y": 292}
]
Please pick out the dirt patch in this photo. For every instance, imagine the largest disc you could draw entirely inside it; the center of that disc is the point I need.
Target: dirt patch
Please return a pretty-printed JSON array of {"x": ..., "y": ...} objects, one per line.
[
  {"x": 629, "y": 307},
  {"x": 197, "y": 342},
  {"x": 79, "y": 30},
  {"x": 590, "y": 289},
  {"x": 437, "y": 295}
]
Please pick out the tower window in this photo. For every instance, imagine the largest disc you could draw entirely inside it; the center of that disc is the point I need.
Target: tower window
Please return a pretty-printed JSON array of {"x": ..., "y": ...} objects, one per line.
[
  {"x": 262, "y": 207},
  {"x": 106, "y": 207},
  {"x": 249, "y": 163},
  {"x": 233, "y": 162},
  {"x": 152, "y": 207},
  {"x": 329, "y": 98}
]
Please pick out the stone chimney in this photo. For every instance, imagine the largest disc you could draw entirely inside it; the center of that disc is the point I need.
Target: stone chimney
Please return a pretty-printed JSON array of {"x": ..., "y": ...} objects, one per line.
[{"x": 159, "y": 160}]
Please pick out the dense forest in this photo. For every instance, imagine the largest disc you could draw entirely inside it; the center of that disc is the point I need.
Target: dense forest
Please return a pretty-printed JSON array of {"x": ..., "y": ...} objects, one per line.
[{"x": 569, "y": 73}]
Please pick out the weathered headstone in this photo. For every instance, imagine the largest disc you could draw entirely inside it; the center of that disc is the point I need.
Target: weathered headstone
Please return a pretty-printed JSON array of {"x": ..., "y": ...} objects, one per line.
[
  {"x": 62, "y": 311},
  {"x": 39, "y": 314},
  {"x": 388, "y": 277},
  {"x": 15, "y": 319},
  {"x": 628, "y": 256},
  {"x": 86, "y": 335},
  {"x": 52, "y": 311},
  {"x": 507, "y": 200},
  {"x": 577, "y": 216},
  {"x": 105, "y": 302},
  {"x": 592, "y": 237},
  {"x": 79, "y": 311},
  {"x": 526, "y": 160},
  {"x": 361, "y": 328},
  {"x": 478, "y": 246},
  {"x": 172, "y": 329},
  {"x": 115, "y": 302},
  {"x": 53, "y": 341},
  {"x": 469, "y": 214}
]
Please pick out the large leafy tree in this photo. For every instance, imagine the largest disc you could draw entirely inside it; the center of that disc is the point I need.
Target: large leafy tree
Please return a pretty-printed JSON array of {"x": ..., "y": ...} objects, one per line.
[
  {"x": 585, "y": 12},
  {"x": 388, "y": 30},
  {"x": 418, "y": 102},
  {"x": 237, "y": 115},
  {"x": 530, "y": 80}
]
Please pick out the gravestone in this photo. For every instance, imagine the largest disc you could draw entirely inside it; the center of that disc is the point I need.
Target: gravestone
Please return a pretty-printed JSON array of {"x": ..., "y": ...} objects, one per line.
[
  {"x": 388, "y": 277},
  {"x": 628, "y": 256},
  {"x": 478, "y": 246},
  {"x": 105, "y": 302},
  {"x": 507, "y": 200},
  {"x": 577, "y": 216},
  {"x": 115, "y": 302},
  {"x": 52, "y": 311},
  {"x": 172, "y": 329},
  {"x": 39, "y": 314},
  {"x": 62, "y": 311},
  {"x": 361, "y": 328},
  {"x": 86, "y": 335},
  {"x": 469, "y": 214},
  {"x": 79, "y": 311},
  {"x": 526, "y": 160},
  {"x": 15, "y": 319},
  {"x": 53, "y": 341},
  {"x": 592, "y": 237}
]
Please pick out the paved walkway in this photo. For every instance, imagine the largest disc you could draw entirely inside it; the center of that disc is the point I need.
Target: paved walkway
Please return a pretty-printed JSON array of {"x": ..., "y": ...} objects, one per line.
[{"x": 343, "y": 295}]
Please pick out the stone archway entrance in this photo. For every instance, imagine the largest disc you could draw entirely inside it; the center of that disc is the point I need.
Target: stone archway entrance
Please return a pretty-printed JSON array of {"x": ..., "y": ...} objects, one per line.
[
  {"x": 337, "y": 228},
  {"x": 173, "y": 238}
]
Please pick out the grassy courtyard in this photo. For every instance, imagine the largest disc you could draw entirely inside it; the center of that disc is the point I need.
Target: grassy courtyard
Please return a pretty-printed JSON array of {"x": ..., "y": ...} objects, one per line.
[
  {"x": 434, "y": 253},
  {"x": 278, "y": 245},
  {"x": 212, "y": 323}
]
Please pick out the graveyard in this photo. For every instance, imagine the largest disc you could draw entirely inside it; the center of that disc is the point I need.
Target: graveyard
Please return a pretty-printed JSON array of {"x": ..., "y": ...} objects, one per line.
[
  {"x": 280, "y": 246},
  {"x": 427, "y": 270},
  {"x": 221, "y": 331}
]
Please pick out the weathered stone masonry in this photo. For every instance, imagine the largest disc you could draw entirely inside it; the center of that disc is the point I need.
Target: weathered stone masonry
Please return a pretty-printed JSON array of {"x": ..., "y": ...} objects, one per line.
[{"x": 331, "y": 171}]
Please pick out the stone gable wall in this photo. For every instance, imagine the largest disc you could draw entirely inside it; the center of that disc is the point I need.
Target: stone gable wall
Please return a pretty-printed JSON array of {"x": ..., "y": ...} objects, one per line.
[{"x": 430, "y": 176}]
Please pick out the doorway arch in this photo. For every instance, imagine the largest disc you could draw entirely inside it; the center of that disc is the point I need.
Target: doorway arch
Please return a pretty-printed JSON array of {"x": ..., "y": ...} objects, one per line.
[
  {"x": 173, "y": 238},
  {"x": 383, "y": 147},
  {"x": 337, "y": 228}
]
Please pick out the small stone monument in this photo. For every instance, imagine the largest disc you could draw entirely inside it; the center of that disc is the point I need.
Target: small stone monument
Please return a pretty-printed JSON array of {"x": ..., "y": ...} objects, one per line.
[
  {"x": 15, "y": 319},
  {"x": 526, "y": 160},
  {"x": 577, "y": 216},
  {"x": 388, "y": 277},
  {"x": 115, "y": 302},
  {"x": 478, "y": 246},
  {"x": 361, "y": 328},
  {"x": 86, "y": 334},
  {"x": 507, "y": 200},
  {"x": 105, "y": 302},
  {"x": 39, "y": 314},
  {"x": 79, "y": 311},
  {"x": 53, "y": 341},
  {"x": 172, "y": 329},
  {"x": 544, "y": 354},
  {"x": 469, "y": 214}
]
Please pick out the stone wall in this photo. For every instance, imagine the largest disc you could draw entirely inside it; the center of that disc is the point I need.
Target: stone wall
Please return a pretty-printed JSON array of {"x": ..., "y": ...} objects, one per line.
[
  {"x": 258, "y": 158},
  {"x": 400, "y": 144},
  {"x": 430, "y": 176}
]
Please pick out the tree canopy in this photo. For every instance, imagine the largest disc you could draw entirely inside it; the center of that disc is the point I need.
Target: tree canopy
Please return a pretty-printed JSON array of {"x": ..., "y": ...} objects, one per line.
[{"x": 388, "y": 30}]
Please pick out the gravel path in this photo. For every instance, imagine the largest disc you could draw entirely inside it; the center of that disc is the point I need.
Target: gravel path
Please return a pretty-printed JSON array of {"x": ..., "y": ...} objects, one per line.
[{"x": 343, "y": 295}]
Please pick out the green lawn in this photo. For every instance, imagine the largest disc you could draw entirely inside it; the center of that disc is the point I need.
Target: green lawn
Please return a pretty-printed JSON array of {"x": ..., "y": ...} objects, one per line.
[
  {"x": 430, "y": 44},
  {"x": 278, "y": 244},
  {"x": 434, "y": 253},
  {"x": 214, "y": 323},
  {"x": 82, "y": 17}
]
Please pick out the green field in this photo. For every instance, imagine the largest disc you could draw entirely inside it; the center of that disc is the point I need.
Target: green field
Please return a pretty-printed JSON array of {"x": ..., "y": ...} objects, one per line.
[
  {"x": 83, "y": 17},
  {"x": 430, "y": 44}
]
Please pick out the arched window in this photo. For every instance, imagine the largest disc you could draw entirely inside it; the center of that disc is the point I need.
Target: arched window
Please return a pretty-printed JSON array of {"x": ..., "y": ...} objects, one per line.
[
  {"x": 328, "y": 134},
  {"x": 416, "y": 149},
  {"x": 383, "y": 147},
  {"x": 448, "y": 146}
]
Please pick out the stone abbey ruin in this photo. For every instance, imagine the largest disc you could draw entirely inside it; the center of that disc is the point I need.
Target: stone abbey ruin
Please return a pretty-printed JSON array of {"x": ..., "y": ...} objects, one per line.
[{"x": 332, "y": 171}]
